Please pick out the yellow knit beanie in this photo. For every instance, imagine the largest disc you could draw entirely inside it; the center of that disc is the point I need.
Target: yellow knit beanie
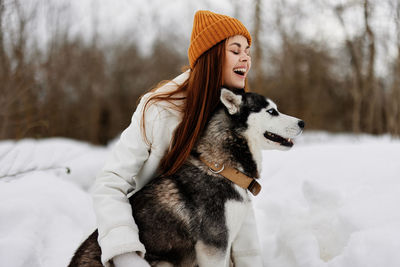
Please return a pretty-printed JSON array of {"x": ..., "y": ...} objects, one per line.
[{"x": 209, "y": 29}]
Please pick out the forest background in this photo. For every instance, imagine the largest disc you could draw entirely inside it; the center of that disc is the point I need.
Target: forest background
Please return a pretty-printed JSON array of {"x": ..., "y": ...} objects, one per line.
[{"x": 76, "y": 68}]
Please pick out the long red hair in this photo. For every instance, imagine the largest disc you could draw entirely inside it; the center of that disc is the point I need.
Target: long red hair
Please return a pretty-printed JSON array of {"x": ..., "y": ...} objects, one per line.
[{"x": 202, "y": 91}]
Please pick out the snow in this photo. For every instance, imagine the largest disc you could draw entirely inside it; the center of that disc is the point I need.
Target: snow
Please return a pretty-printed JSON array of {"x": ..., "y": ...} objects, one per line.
[
  {"x": 331, "y": 203},
  {"x": 332, "y": 200}
]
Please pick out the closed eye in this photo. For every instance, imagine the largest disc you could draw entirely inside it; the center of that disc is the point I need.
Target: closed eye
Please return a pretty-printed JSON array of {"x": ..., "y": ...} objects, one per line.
[{"x": 273, "y": 112}]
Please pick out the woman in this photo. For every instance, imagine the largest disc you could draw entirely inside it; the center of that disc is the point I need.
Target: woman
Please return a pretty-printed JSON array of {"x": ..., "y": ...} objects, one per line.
[{"x": 163, "y": 130}]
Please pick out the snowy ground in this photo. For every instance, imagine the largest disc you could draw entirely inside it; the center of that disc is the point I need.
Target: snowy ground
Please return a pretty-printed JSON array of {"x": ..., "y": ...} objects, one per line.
[{"x": 332, "y": 201}]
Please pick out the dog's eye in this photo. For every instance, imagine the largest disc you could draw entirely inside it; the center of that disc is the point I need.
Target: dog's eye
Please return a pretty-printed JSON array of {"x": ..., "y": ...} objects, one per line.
[{"x": 273, "y": 112}]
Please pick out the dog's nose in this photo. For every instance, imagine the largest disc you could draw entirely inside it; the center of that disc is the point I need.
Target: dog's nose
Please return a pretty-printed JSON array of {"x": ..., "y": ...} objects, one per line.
[{"x": 301, "y": 124}]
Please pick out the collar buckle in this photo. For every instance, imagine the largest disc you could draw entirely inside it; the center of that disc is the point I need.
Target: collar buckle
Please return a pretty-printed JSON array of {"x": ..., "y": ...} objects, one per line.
[{"x": 254, "y": 187}]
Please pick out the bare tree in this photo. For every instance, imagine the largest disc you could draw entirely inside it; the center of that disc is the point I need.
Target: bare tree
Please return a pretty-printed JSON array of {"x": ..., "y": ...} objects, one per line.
[
  {"x": 371, "y": 90},
  {"x": 4, "y": 72},
  {"x": 366, "y": 96},
  {"x": 17, "y": 109},
  {"x": 4, "y": 61},
  {"x": 393, "y": 98},
  {"x": 257, "y": 56},
  {"x": 356, "y": 64}
]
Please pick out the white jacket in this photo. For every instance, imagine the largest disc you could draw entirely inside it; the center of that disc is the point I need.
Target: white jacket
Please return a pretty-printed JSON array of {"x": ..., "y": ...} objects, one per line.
[{"x": 131, "y": 165}]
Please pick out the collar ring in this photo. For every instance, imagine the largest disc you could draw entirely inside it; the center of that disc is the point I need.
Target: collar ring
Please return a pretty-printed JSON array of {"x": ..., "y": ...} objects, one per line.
[{"x": 218, "y": 171}]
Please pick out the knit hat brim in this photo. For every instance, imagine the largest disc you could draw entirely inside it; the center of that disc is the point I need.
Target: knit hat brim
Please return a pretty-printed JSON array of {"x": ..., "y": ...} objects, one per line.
[{"x": 209, "y": 29}]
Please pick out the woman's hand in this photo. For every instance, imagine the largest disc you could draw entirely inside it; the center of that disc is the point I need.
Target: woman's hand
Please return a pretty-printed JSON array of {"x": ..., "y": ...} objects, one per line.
[{"x": 130, "y": 259}]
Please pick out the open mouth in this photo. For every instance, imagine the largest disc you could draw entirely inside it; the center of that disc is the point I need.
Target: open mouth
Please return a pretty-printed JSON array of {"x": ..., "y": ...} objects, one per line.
[
  {"x": 278, "y": 139},
  {"x": 240, "y": 71}
]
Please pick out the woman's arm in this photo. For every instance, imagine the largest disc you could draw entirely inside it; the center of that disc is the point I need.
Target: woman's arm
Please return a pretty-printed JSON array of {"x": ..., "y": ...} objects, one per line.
[{"x": 118, "y": 233}]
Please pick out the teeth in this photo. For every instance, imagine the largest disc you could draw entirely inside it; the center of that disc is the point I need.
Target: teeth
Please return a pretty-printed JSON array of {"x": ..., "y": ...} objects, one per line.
[
  {"x": 242, "y": 70},
  {"x": 289, "y": 139}
]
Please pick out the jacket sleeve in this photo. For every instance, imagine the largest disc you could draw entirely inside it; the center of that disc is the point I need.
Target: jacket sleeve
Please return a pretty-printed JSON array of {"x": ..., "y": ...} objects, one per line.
[
  {"x": 118, "y": 232},
  {"x": 246, "y": 250}
]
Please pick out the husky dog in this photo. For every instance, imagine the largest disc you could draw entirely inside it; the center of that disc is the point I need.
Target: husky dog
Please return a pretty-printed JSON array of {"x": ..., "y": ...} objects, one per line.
[{"x": 189, "y": 219}]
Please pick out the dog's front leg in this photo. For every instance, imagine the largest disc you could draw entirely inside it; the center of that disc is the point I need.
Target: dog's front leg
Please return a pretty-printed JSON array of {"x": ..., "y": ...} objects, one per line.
[{"x": 207, "y": 256}]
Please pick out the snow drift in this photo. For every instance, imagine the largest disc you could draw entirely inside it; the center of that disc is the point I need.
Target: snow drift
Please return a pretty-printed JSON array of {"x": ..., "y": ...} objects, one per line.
[{"x": 331, "y": 201}]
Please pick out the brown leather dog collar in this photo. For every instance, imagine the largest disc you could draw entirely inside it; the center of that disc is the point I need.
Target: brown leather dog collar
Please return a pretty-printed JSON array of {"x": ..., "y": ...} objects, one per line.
[{"x": 235, "y": 176}]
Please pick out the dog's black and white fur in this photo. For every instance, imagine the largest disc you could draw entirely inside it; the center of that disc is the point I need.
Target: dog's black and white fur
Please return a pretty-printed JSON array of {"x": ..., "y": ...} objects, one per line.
[{"x": 191, "y": 218}]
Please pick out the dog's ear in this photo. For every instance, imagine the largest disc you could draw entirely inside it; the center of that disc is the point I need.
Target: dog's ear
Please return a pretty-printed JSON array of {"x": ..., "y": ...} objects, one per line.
[{"x": 231, "y": 101}]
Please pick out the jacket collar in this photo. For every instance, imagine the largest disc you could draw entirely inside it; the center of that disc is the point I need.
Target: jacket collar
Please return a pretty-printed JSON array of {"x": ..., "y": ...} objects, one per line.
[{"x": 170, "y": 86}]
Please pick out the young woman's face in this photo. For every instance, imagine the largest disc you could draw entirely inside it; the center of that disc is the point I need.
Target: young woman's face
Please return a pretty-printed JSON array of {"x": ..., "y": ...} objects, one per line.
[{"x": 237, "y": 62}]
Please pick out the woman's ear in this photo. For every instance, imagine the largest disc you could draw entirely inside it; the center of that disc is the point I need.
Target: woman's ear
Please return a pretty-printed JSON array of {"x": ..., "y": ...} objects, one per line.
[{"x": 231, "y": 101}]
